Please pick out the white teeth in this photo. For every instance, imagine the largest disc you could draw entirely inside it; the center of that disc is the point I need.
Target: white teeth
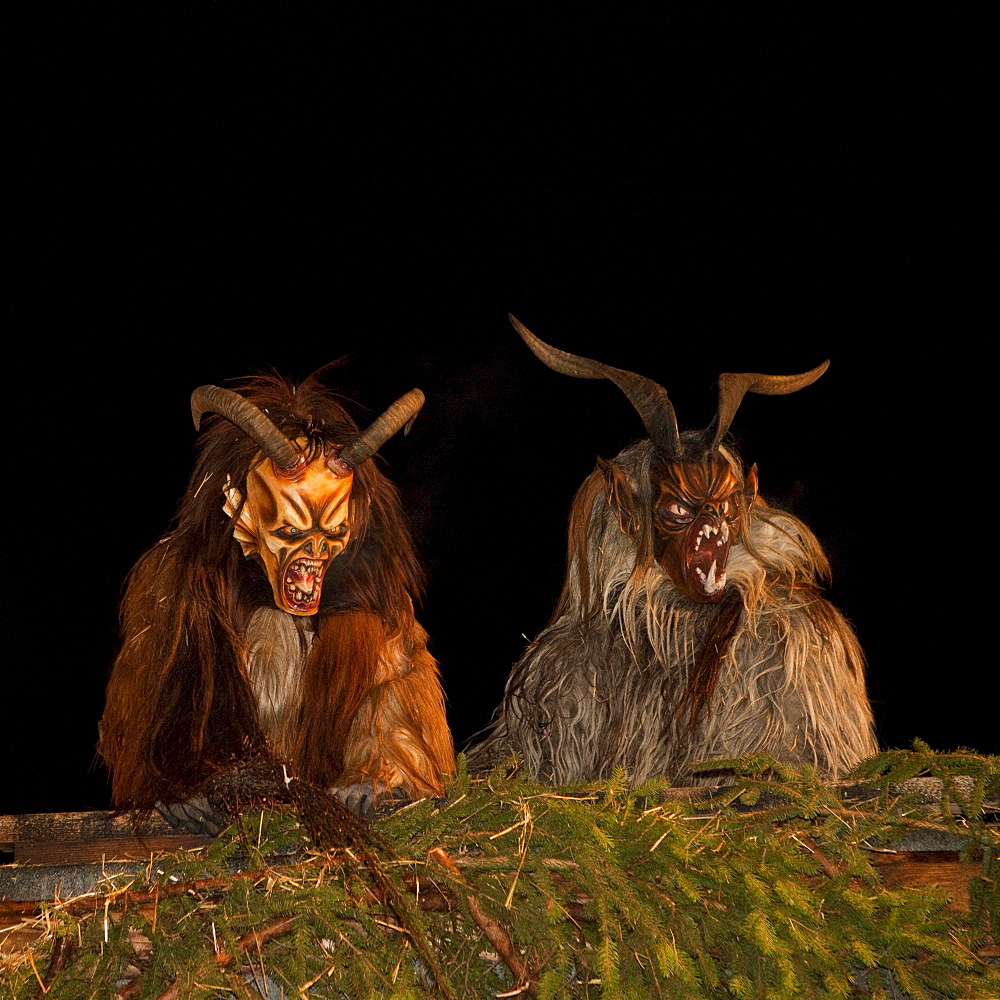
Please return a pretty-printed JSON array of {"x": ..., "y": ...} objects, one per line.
[
  {"x": 300, "y": 596},
  {"x": 712, "y": 584}
]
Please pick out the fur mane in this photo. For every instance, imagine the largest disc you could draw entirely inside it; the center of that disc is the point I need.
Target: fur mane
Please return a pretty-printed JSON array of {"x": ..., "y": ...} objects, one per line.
[
  {"x": 612, "y": 572},
  {"x": 626, "y": 670},
  {"x": 180, "y": 703}
]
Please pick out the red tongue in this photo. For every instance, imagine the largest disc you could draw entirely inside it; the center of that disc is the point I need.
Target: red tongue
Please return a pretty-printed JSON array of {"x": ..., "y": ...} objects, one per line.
[
  {"x": 303, "y": 578},
  {"x": 704, "y": 557}
]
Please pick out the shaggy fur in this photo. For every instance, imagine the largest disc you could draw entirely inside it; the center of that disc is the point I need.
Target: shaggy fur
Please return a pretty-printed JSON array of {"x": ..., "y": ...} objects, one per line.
[
  {"x": 211, "y": 672},
  {"x": 631, "y": 673}
]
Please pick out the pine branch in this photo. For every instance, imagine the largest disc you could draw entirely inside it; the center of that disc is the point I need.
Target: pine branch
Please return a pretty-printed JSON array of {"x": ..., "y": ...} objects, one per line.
[
  {"x": 222, "y": 957},
  {"x": 682, "y": 899},
  {"x": 494, "y": 931},
  {"x": 63, "y": 950}
]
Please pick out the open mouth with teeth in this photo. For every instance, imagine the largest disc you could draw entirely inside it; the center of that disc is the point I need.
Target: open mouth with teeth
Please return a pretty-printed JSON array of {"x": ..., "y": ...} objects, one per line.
[
  {"x": 303, "y": 583},
  {"x": 707, "y": 552}
]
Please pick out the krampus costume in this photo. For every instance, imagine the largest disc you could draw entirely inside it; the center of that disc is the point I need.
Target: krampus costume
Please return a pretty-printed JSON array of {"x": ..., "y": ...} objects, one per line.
[
  {"x": 690, "y": 625},
  {"x": 276, "y": 619}
]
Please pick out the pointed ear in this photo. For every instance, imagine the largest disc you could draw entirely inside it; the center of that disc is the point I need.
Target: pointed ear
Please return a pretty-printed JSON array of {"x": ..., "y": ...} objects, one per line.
[
  {"x": 245, "y": 528},
  {"x": 233, "y": 498},
  {"x": 750, "y": 486},
  {"x": 620, "y": 497}
]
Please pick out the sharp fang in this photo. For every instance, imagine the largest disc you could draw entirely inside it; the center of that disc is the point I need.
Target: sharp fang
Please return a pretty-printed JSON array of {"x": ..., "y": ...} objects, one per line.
[{"x": 712, "y": 585}]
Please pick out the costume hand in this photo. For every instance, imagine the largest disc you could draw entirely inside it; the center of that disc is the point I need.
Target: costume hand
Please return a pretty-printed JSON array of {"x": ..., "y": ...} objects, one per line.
[
  {"x": 361, "y": 797},
  {"x": 196, "y": 815}
]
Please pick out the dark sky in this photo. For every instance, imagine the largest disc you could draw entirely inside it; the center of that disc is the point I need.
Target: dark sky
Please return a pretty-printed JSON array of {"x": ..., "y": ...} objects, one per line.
[{"x": 208, "y": 192}]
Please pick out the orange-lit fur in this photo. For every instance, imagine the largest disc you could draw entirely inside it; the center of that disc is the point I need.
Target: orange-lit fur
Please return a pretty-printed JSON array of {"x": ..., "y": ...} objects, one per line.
[{"x": 211, "y": 672}]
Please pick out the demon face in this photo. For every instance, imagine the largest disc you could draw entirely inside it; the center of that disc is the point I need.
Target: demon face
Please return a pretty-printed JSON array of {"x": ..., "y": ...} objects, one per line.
[
  {"x": 697, "y": 515},
  {"x": 699, "y": 494},
  {"x": 295, "y": 522}
]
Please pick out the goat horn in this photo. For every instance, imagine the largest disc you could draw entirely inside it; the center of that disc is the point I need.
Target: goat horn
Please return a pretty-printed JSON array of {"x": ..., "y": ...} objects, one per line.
[
  {"x": 734, "y": 386},
  {"x": 401, "y": 413},
  {"x": 648, "y": 397},
  {"x": 246, "y": 416}
]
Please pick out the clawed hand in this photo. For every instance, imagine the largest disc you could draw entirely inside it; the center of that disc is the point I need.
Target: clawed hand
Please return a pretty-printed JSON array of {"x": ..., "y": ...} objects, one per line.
[
  {"x": 360, "y": 798},
  {"x": 196, "y": 815}
]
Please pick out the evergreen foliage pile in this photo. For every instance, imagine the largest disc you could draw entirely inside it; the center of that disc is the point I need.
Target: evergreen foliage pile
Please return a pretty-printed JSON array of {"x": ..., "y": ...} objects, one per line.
[{"x": 509, "y": 889}]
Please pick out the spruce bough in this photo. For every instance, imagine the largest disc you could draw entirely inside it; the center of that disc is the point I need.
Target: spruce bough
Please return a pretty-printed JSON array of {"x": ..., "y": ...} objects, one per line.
[{"x": 507, "y": 888}]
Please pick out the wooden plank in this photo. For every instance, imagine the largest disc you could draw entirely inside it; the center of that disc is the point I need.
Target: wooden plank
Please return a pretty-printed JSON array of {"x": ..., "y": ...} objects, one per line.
[
  {"x": 17, "y": 934},
  {"x": 94, "y": 825},
  {"x": 103, "y": 825},
  {"x": 65, "y": 852},
  {"x": 919, "y": 869}
]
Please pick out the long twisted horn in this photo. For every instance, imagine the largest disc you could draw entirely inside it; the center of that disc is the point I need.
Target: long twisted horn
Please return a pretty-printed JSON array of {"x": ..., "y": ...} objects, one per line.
[
  {"x": 648, "y": 397},
  {"x": 401, "y": 413},
  {"x": 249, "y": 418},
  {"x": 734, "y": 386}
]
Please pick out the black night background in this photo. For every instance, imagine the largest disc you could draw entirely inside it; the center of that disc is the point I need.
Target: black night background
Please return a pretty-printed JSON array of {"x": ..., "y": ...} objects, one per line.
[{"x": 209, "y": 191}]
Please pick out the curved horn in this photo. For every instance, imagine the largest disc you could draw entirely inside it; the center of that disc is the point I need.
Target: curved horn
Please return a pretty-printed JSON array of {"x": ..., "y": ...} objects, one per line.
[
  {"x": 649, "y": 399},
  {"x": 246, "y": 416},
  {"x": 733, "y": 387},
  {"x": 402, "y": 412}
]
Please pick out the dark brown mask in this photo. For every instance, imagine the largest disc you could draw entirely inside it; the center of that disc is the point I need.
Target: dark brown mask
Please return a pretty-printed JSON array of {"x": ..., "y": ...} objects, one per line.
[{"x": 698, "y": 512}]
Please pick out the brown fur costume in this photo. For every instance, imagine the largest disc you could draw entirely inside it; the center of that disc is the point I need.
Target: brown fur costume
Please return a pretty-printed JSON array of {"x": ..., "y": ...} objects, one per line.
[{"x": 211, "y": 671}]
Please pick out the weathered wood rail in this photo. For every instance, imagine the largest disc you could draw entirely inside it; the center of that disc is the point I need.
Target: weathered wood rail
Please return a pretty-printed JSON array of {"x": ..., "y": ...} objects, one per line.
[{"x": 62, "y": 855}]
